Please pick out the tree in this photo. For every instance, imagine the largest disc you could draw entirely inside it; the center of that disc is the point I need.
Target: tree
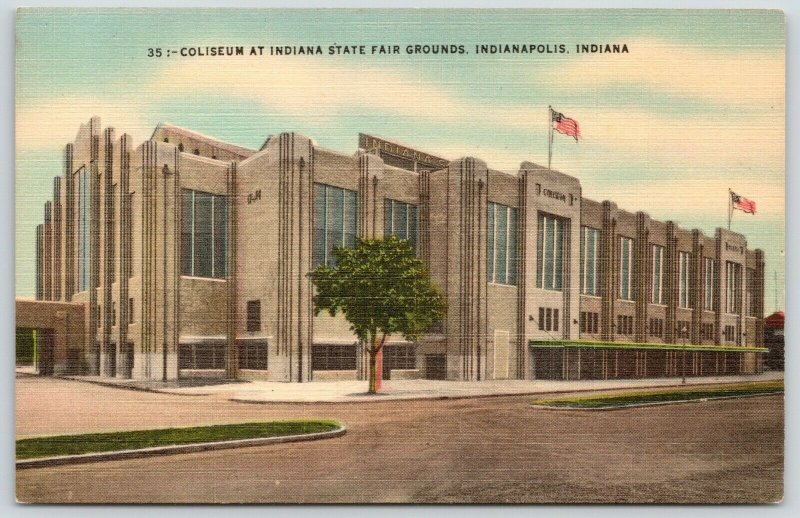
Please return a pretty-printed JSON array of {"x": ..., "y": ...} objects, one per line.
[{"x": 382, "y": 288}]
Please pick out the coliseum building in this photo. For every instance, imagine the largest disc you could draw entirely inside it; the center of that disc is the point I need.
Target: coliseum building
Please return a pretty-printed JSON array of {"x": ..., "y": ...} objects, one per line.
[{"x": 185, "y": 256}]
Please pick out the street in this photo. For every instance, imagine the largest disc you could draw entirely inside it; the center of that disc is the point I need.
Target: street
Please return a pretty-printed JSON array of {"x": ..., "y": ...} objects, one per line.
[{"x": 495, "y": 449}]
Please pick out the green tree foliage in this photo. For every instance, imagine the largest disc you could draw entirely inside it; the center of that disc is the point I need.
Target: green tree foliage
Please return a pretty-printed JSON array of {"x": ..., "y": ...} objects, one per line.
[{"x": 382, "y": 288}]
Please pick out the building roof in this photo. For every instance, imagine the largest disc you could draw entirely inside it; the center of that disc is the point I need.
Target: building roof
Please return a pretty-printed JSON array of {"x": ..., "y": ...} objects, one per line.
[
  {"x": 775, "y": 320},
  {"x": 219, "y": 144}
]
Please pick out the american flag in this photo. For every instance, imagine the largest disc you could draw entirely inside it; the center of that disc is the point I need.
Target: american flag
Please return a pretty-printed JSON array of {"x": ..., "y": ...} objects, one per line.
[
  {"x": 565, "y": 125},
  {"x": 742, "y": 203}
]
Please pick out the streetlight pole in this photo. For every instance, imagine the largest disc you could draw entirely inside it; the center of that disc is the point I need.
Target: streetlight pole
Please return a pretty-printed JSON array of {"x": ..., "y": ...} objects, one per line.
[{"x": 683, "y": 361}]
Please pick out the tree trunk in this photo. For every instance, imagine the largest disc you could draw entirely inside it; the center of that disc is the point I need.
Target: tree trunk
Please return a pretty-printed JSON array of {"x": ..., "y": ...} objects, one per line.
[{"x": 373, "y": 371}]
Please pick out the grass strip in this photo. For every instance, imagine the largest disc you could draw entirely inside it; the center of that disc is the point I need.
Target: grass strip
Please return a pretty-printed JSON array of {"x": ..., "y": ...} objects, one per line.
[
  {"x": 59, "y": 445},
  {"x": 663, "y": 396}
]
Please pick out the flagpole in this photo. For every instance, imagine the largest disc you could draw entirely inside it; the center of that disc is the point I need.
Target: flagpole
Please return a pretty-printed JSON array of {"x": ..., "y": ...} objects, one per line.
[
  {"x": 549, "y": 135},
  {"x": 730, "y": 207}
]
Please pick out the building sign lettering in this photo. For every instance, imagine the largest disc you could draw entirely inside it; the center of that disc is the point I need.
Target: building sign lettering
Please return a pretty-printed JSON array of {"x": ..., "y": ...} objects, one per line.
[{"x": 369, "y": 142}]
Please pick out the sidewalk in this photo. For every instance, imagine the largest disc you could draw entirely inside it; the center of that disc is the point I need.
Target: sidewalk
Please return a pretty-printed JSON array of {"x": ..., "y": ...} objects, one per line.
[{"x": 355, "y": 391}]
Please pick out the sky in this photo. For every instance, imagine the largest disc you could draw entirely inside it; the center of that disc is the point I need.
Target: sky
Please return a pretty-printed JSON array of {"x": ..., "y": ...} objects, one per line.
[{"x": 694, "y": 108}]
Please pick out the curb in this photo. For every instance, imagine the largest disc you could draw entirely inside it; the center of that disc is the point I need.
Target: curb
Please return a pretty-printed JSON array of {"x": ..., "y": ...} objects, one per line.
[
  {"x": 378, "y": 399},
  {"x": 174, "y": 449},
  {"x": 654, "y": 403},
  {"x": 125, "y": 386}
]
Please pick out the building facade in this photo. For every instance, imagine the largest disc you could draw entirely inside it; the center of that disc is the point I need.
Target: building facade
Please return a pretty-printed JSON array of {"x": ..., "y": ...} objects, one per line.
[{"x": 192, "y": 256}]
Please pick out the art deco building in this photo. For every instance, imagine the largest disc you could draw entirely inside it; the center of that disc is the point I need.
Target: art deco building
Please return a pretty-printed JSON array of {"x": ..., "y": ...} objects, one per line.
[{"x": 191, "y": 258}]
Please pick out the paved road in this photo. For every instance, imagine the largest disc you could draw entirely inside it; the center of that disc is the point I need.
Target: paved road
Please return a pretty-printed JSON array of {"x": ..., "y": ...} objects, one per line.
[{"x": 476, "y": 450}]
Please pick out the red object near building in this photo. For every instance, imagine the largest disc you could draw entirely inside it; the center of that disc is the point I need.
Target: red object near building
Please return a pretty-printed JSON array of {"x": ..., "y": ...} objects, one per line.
[{"x": 774, "y": 340}]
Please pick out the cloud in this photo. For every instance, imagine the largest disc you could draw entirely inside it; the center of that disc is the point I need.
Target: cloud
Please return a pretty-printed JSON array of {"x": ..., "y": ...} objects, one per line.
[{"x": 55, "y": 122}]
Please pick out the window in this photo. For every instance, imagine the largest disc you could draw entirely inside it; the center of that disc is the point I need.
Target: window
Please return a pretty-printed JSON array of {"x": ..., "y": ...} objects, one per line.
[
  {"x": 657, "y": 292},
  {"x": 98, "y": 315},
  {"x": 84, "y": 220},
  {"x": 113, "y": 313},
  {"x": 590, "y": 239},
  {"x": 335, "y": 222},
  {"x": 625, "y": 264},
  {"x": 202, "y": 356},
  {"x": 656, "y": 327},
  {"x": 550, "y": 252},
  {"x": 733, "y": 274},
  {"x": 589, "y": 322},
  {"x": 403, "y": 356},
  {"x": 204, "y": 236},
  {"x": 751, "y": 291},
  {"x": 548, "y": 319},
  {"x": 131, "y": 311},
  {"x": 730, "y": 334},
  {"x": 252, "y": 354},
  {"x": 401, "y": 220},
  {"x": 254, "y": 315},
  {"x": 683, "y": 329},
  {"x": 684, "y": 259},
  {"x": 710, "y": 285},
  {"x": 501, "y": 244},
  {"x": 707, "y": 331},
  {"x": 624, "y": 324},
  {"x": 333, "y": 357}
]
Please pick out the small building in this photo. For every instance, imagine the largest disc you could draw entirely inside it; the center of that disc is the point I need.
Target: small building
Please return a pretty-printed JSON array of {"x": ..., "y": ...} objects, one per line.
[
  {"x": 191, "y": 256},
  {"x": 774, "y": 340}
]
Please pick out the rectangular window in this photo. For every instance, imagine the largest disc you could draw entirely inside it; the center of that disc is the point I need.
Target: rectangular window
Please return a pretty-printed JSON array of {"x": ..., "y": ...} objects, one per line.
[
  {"x": 550, "y": 252},
  {"x": 733, "y": 273},
  {"x": 751, "y": 292},
  {"x": 541, "y": 319},
  {"x": 709, "y": 285},
  {"x": 204, "y": 235},
  {"x": 335, "y": 222},
  {"x": 131, "y": 311},
  {"x": 254, "y": 315},
  {"x": 683, "y": 329},
  {"x": 400, "y": 356},
  {"x": 656, "y": 327},
  {"x": 401, "y": 220},
  {"x": 657, "y": 291},
  {"x": 84, "y": 220},
  {"x": 624, "y": 324},
  {"x": 625, "y": 267},
  {"x": 113, "y": 313},
  {"x": 333, "y": 357},
  {"x": 501, "y": 244},
  {"x": 684, "y": 259},
  {"x": 590, "y": 239},
  {"x": 252, "y": 354}
]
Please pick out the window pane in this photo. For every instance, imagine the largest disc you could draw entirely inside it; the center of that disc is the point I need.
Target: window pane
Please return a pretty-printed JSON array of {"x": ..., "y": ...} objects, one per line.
[
  {"x": 413, "y": 220},
  {"x": 220, "y": 237},
  {"x": 591, "y": 256},
  {"x": 490, "y": 242},
  {"x": 548, "y": 252},
  {"x": 350, "y": 218},
  {"x": 400, "y": 218},
  {"x": 512, "y": 247},
  {"x": 560, "y": 226},
  {"x": 335, "y": 222},
  {"x": 318, "y": 254},
  {"x": 540, "y": 251},
  {"x": 502, "y": 236},
  {"x": 203, "y": 251}
]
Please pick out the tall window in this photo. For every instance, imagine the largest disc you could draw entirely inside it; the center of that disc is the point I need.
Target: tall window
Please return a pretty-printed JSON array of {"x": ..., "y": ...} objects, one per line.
[
  {"x": 335, "y": 222},
  {"x": 625, "y": 266},
  {"x": 733, "y": 274},
  {"x": 501, "y": 244},
  {"x": 657, "y": 292},
  {"x": 709, "y": 271},
  {"x": 84, "y": 236},
  {"x": 204, "y": 239},
  {"x": 589, "y": 243},
  {"x": 550, "y": 252},
  {"x": 751, "y": 292},
  {"x": 683, "y": 279},
  {"x": 401, "y": 220},
  {"x": 254, "y": 315}
]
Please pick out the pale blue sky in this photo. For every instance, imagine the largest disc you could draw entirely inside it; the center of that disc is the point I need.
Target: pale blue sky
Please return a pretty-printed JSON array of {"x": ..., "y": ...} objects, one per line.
[{"x": 694, "y": 108}]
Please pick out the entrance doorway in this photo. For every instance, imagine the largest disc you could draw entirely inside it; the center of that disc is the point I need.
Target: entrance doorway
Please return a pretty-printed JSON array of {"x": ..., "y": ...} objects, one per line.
[
  {"x": 435, "y": 366},
  {"x": 126, "y": 360},
  {"x": 45, "y": 351}
]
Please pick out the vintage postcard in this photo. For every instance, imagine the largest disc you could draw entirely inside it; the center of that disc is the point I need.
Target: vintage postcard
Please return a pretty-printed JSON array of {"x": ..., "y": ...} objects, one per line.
[{"x": 399, "y": 256}]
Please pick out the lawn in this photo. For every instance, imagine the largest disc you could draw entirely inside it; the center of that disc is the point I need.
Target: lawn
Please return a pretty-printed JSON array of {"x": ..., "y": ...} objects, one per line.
[
  {"x": 54, "y": 446},
  {"x": 644, "y": 397}
]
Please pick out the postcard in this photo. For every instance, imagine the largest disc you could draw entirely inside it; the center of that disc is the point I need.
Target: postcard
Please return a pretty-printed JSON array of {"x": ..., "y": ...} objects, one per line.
[{"x": 399, "y": 256}]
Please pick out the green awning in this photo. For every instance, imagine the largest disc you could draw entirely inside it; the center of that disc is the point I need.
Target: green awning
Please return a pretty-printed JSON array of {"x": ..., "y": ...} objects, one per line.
[{"x": 598, "y": 344}]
